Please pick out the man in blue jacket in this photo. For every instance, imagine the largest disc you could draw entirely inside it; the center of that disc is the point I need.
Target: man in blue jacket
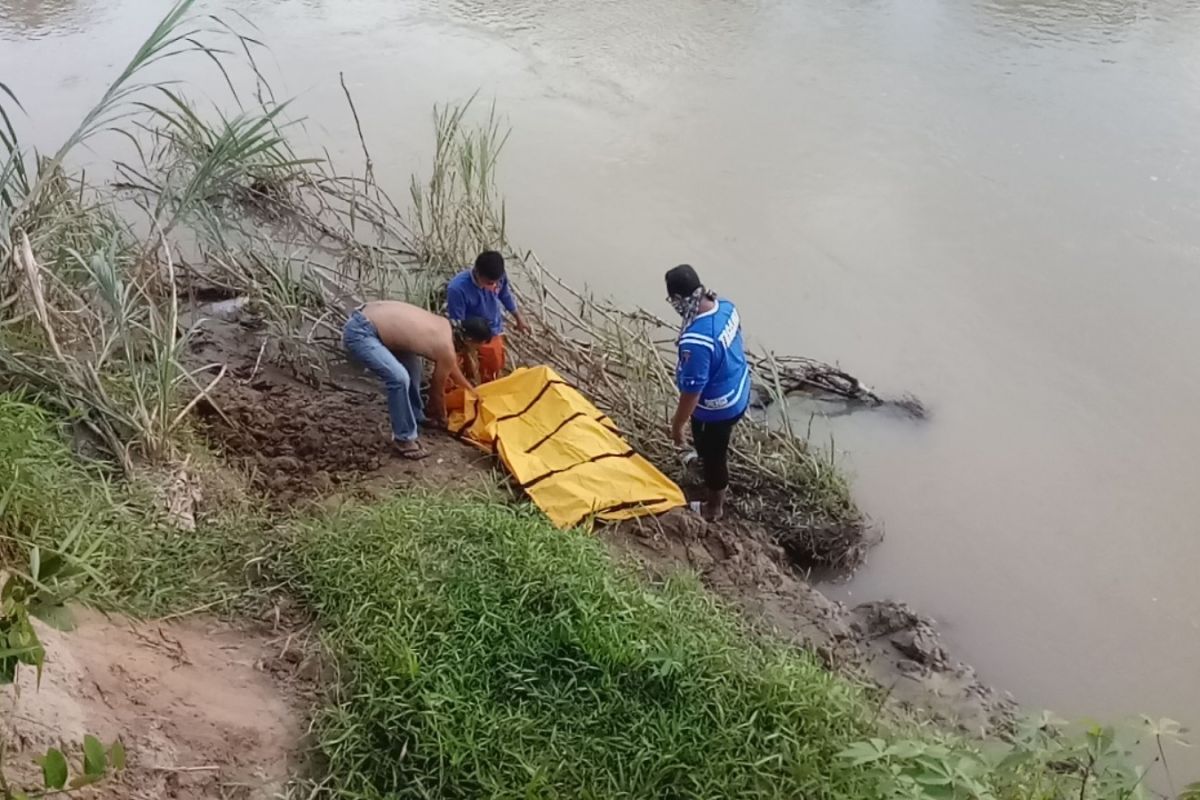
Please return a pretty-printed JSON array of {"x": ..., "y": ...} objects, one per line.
[
  {"x": 713, "y": 379},
  {"x": 483, "y": 291}
]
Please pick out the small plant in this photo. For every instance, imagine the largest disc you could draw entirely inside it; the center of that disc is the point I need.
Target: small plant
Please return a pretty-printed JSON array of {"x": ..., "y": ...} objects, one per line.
[
  {"x": 910, "y": 769},
  {"x": 1040, "y": 760},
  {"x": 41, "y": 593}
]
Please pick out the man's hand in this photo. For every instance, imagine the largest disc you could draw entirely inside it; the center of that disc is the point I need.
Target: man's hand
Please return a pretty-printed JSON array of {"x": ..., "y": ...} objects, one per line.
[
  {"x": 435, "y": 412},
  {"x": 449, "y": 367},
  {"x": 677, "y": 436},
  {"x": 521, "y": 325}
]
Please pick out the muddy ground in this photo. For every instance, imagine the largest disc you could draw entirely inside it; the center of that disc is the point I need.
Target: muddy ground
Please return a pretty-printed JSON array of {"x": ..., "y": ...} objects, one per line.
[
  {"x": 299, "y": 441},
  {"x": 298, "y": 444},
  {"x": 305, "y": 440},
  {"x": 205, "y": 709}
]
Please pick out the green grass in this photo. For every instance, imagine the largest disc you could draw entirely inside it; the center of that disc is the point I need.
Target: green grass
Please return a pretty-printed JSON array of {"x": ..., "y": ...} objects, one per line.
[
  {"x": 45, "y": 495},
  {"x": 137, "y": 563},
  {"x": 486, "y": 654},
  {"x": 155, "y": 572}
]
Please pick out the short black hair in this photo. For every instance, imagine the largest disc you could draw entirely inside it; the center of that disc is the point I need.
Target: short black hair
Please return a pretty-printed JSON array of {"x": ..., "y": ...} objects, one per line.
[
  {"x": 490, "y": 265},
  {"x": 472, "y": 329},
  {"x": 682, "y": 281}
]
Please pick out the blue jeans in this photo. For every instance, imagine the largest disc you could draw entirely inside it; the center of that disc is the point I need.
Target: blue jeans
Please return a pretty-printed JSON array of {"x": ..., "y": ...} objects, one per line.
[{"x": 400, "y": 373}]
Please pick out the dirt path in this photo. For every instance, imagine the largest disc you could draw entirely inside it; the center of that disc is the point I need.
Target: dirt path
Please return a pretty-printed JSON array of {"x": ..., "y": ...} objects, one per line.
[{"x": 203, "y": 708}]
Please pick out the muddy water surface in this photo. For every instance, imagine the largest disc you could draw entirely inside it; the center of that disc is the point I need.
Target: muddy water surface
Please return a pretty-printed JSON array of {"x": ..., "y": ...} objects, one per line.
[{"x": 991, "y": 203}]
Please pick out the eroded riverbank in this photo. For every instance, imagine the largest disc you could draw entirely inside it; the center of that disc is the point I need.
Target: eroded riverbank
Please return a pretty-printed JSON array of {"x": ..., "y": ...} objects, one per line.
[
  {"x": 305, "y": 445},
  {"x": 997, "y": 226},
  {"x": 349, "y": 231}
]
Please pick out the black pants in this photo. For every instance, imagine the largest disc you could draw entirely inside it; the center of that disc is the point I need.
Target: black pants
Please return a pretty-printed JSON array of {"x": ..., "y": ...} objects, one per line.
[{"x": 712, "y": 445}]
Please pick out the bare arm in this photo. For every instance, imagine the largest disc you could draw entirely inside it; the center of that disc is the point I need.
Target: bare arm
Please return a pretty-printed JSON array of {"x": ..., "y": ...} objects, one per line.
[
  {"x": 450, "y": 369},
  {"x": 443, "y": 368},
  {"x": 683, "y": 412},
  {"x": 437, "y": 395}
]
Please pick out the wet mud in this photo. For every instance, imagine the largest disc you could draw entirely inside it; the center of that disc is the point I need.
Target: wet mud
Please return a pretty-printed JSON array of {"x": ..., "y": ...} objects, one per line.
[{"x": 300, "y": 440}]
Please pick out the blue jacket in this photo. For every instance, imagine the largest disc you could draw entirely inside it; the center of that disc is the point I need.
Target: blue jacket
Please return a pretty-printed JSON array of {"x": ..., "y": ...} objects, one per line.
[
  {"x": 465, "y": 298},
  {"x": 712, "y": 361}
]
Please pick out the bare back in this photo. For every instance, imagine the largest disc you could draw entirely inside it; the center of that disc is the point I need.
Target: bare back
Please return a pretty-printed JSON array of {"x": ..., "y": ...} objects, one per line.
[{"x": 405, "y": 328}]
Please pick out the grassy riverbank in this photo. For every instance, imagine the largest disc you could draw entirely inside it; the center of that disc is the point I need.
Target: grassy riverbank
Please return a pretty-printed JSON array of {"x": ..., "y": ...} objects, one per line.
[
  {"x": 115, "y": 529},
  {"x": 491, "y": 655},
  {"x": 481, "y": 653},
  {"x": 478, "y": 652},
  {"x": 97, "y": 275}
]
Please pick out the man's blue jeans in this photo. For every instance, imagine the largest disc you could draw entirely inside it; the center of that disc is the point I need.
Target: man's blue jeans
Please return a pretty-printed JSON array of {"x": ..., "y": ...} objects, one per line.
[{"x": 400, "y": 373}]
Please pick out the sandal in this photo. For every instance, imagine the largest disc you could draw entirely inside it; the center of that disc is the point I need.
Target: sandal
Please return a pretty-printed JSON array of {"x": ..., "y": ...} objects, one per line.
[{"x": 414, "y": 453}]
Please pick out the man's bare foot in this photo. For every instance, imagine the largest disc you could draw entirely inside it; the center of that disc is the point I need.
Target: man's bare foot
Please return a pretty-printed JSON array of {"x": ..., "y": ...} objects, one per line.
[{"x": 413, "y": 450}]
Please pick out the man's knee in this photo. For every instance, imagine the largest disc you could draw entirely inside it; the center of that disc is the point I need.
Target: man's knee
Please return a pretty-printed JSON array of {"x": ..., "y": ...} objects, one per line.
[{"x": 398, "y": 380}]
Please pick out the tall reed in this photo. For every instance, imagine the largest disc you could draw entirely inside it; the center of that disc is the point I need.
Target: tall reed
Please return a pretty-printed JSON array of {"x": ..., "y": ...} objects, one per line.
[{"x": 91, "y": 308}]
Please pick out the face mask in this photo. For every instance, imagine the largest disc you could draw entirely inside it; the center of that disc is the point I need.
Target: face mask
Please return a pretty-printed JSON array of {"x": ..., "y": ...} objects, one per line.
[
  {"x": 681, "y": 305},
  {"x": 688, "y": 307}
]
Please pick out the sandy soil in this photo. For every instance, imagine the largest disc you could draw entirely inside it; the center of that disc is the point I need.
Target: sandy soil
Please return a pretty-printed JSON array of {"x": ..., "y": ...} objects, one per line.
[
  {"x": 204, "y": 709},
  {"x": 301, "y": 442}
]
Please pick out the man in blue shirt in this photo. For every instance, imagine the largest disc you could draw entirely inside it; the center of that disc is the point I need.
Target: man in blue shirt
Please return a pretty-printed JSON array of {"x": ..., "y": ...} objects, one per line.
[
  {"x": 713, "y": 379},
  {"x": 483, "y": 291}
]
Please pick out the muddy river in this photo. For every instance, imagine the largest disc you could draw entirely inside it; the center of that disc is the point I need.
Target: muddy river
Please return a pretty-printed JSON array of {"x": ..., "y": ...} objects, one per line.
[{"x": 990, "y": 203}]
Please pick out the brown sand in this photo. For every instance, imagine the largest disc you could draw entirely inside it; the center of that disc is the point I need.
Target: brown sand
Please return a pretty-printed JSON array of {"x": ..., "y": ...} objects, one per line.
[{"x": 203, "y": 708}]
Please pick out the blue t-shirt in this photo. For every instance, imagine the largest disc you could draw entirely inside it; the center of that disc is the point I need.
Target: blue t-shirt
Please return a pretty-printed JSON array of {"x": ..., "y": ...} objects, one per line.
[
  {"x": 465, "y": 298},
  {"x": 712, "y": 361}
]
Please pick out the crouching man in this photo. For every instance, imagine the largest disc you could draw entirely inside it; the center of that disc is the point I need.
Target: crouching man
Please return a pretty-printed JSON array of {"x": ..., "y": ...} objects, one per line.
[{"x": 391, "y": 338}]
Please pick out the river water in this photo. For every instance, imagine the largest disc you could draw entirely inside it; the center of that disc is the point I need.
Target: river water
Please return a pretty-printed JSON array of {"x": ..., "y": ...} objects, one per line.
[{"x": 990, "y": 203}]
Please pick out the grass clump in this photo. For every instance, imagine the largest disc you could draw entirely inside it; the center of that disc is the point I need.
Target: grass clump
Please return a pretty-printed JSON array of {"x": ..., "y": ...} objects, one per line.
[
  {"x": 46, "y": 497},
  {"x": 136, "y": 562},
  {"x": 486, "y": 654},
  {"x": 155, "y": 572}
]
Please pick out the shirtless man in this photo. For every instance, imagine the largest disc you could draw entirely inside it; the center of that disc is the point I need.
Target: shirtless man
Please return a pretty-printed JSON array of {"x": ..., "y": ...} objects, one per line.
[{"x": 390, "y": 338}]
